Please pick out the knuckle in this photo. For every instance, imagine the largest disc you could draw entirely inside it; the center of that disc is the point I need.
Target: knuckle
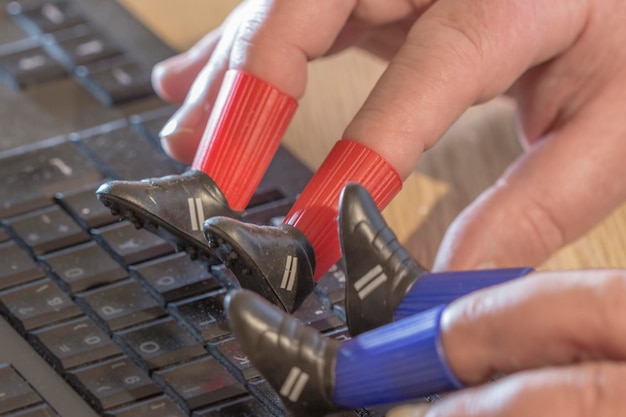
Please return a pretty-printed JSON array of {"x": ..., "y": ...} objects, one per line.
[
  {"x": 465, "y": 39},
  {"x": 536, "y": 217},
  {"x": 597, "y": 384}
]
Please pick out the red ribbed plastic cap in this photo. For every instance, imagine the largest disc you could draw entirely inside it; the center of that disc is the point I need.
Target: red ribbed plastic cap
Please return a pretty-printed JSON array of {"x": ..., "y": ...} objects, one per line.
[
  {"x": 315, "y": 212},
  {"x": 249, "y": 119}
]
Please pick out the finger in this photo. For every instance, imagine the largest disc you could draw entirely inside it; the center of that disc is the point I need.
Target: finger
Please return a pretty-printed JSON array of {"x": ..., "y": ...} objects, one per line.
[
  {"x": 273, "y": 40},
  {"x": 181, "y": 135},
  {"x": 379, "y": 27},
  {"x": 173, "y": 77},
  {"x": 409, "y": 410},
  {"x": 544, "y": 320},
  {"x": 549, "y": 197},
  {"x": 277, "y": 38},
  {"x": 383, "y": 41},
  {"x": 270, "y": 39},
  {"x": 458, "y": 54},
  {"x": 587, "y": 390}
]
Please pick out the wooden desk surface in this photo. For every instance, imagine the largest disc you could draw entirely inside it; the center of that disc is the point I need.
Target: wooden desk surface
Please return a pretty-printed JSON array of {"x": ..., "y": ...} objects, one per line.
[{"x": 469, "y": 158}]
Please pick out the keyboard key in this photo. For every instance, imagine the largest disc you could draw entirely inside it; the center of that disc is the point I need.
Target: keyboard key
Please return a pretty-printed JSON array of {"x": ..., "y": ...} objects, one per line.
[
  {"x": 45, "y": 17},
  {"x": 83, "y": 267},
  {"x": 317, "y": 314},
  {"x": 15, "y": 392},
  {"x": 25, "y": 64},
  {"x": 9, "y": 31},
  {"x": 199, "y": 383},
  {"x": 73, "y": 344},
  {"x": 340, "y": 334},
  {"x": 115, "y": 82},
  {"x": 157, "y": 407},
  {"x": 43, "y": 410},
  {"x": 121, "y": 305},
  {"x": 47, "y": 229},
  {"x": 113, "y": 383},
  {"x": 129, "y": 245},
  {"x": 150, "y": 123},
  {"x": 85, "y": 208},
  {"x": 229, "y": 351},
  {"x": 124, "y": 152},
  {"x": 271, "y": 214},
  {"x": 80, "y": 45},
  {"x": 16, "y": 267},
  {"x": 204, "y": 316},
  {"x": 263, "y": 391},
  {"x": 247, "y": 407},
  {"x": 175, "y": 277},
  {"x": 159, "y": 344},
  {"x": 29, "y": 180},
  {"x": 333, "y": 285},
  {"x": 37, "y": 304}
]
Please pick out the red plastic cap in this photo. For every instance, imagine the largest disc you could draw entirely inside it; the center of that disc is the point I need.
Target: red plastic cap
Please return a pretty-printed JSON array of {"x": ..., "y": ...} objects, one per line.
[
  {"x": 244, "y": 131},
  {"x": 316, "y": 210}
]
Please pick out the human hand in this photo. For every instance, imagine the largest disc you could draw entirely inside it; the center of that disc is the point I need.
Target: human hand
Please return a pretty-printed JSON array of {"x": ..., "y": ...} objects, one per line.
[
  {"x": 558, "y": 337},
  {"x": 563, "y": 62},
  {"x": 273, "y": 40}
]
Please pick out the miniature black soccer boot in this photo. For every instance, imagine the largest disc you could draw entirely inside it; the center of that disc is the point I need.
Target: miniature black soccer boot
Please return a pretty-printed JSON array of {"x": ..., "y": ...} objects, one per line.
[
  {"x": 379, "y": 271},
  {"x": 173, "y": 207},
  {"x": 296, "y": 360},
  {"x": 383, "y": 282},
  {"x": 275, "y": 262},
  {"x": 315, "y": 375}
]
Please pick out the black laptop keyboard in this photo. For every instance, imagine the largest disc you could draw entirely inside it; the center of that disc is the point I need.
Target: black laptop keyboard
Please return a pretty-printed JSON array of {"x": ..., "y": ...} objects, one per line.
[
  {"x": 134, "y": 327},
  {"x": 62, "y": 42}
]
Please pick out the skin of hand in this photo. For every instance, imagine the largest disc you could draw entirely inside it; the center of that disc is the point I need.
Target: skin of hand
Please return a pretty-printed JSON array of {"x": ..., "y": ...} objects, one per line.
[
  {"x": 558, "y": 337},
  {"x": 563, "y": 61}
]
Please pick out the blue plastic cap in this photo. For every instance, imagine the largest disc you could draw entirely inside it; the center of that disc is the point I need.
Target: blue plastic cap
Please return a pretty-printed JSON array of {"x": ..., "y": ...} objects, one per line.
[
  {"x": 444, "y": 287},
  {"x": 397, "y": 362}
]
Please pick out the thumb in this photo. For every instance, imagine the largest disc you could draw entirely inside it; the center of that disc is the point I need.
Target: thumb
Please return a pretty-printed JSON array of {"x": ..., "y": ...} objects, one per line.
[{"x": 550, "y": 196}]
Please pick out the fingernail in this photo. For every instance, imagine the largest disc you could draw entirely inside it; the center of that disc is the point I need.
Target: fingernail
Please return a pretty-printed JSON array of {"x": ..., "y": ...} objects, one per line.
[
  {"x": 414, "y": 410},
  {"x": 173, "y": 127},
  {"x": 184, "y": 122},
  {"x": 182, "y": 146}
]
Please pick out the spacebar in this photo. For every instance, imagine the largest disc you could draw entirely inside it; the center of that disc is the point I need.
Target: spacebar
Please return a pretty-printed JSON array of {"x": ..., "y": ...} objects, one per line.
[{"x": 31, "y": 176}]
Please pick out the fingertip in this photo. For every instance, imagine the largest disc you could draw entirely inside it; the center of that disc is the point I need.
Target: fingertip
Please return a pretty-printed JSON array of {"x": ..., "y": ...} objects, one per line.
[
  {"x": 182, "y": 144},
  {"x": 502, "y": 228},
  {"x": 170, "y": 80},
  {"x": 182, "y": 133}
]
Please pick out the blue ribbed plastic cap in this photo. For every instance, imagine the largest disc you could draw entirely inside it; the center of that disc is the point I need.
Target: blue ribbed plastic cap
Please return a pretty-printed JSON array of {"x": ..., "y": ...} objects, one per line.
[
  {"x": 397, "y": 362},
  {"x": 444, "y": 287}
]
